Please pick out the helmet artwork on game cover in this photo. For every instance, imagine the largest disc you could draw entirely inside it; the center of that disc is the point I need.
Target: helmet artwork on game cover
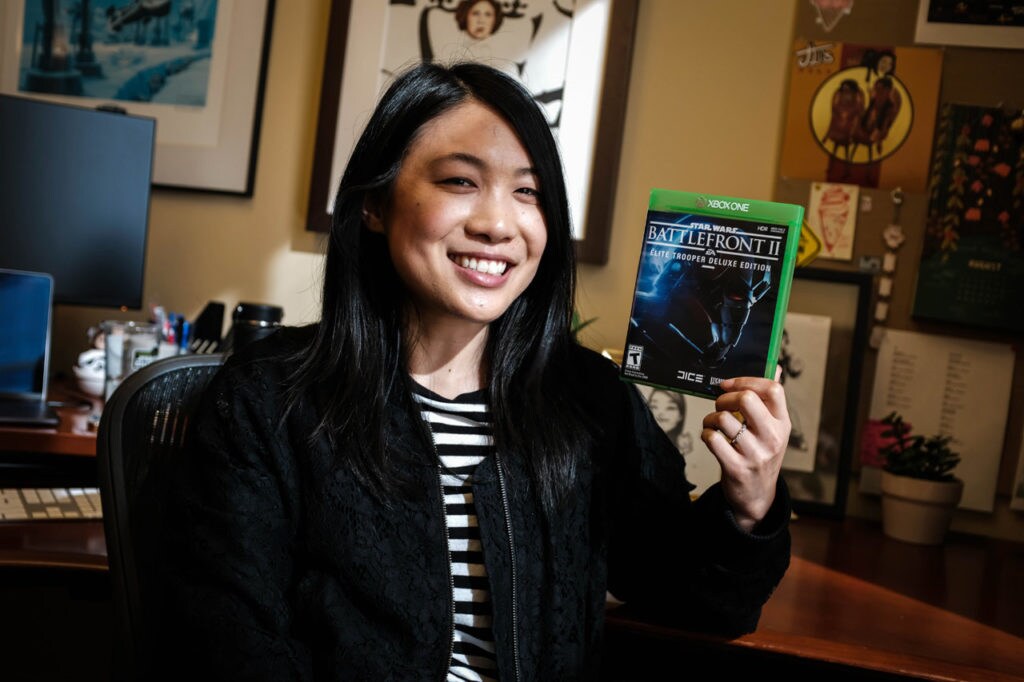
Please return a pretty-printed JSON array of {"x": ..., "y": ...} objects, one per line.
[{"x": 698, "y": 309}]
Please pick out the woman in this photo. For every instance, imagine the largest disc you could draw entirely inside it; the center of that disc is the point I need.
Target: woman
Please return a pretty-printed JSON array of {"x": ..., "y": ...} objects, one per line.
[{"x": 435, "y": 480}]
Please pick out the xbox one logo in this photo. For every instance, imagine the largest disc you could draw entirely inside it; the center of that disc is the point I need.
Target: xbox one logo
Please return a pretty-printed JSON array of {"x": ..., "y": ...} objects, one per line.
[{"x": 703, "y": 202}]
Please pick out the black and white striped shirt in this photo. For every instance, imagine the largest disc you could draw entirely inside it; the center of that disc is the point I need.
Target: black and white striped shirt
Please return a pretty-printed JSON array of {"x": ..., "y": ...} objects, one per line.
[{"x": 463, "y": 436}]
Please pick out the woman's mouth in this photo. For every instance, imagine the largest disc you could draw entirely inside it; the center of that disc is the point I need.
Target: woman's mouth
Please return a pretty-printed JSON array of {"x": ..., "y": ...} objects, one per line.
[{"x": 483, "y": 265}]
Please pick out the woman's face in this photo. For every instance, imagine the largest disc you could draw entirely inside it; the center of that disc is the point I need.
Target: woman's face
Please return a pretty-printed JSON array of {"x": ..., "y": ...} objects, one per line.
[
  {"x": 480, "y": 20},
  {"x": 464, "y": 226},
  {"x": 665, "y": 410}
]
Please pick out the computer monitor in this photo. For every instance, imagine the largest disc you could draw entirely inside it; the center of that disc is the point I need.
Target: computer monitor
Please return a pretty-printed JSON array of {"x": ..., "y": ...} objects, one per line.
[{"x": 74, "y": 198}]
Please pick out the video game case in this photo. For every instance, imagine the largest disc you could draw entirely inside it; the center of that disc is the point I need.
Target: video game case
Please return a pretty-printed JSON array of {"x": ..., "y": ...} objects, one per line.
[{"x": 711, "y": 293}]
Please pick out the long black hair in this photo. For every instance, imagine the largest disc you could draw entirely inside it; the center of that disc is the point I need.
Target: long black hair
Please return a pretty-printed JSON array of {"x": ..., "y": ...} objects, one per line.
[{"x": 355, "y": 361}]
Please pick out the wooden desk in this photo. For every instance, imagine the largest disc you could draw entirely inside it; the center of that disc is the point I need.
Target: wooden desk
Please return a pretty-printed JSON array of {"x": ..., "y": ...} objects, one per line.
[{"x": 853, "y": 597}]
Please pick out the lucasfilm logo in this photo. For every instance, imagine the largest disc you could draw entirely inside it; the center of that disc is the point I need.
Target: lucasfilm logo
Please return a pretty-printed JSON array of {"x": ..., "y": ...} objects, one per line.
[
  {"x": 634, "y": 356},
  {"x": 704, "y": 202}
]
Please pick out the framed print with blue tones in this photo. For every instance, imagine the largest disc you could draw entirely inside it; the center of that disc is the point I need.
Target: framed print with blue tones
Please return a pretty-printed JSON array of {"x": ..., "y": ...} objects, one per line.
[{"x": 196, "y": 66}]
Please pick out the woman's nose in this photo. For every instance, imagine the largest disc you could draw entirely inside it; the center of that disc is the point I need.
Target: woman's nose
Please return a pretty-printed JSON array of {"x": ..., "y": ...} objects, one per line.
[{"x": 493, "y": 219}]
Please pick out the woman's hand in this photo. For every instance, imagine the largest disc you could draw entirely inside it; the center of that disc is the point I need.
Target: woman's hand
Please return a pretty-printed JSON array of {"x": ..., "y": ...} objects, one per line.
[{"x": 749, "y": 447}]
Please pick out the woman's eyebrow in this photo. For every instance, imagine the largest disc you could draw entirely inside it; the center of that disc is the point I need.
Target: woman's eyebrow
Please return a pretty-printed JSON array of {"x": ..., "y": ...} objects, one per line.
[{"x": 476, "y": 162}]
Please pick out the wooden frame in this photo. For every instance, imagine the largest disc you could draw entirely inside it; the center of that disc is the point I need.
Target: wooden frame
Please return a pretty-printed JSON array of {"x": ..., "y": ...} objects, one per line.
[
  {"x": 988, "y": 35},
  {"x": 594, "y": 109},
  {"x": 209, "y": 147},
  {"x": 844, "y": 297}
]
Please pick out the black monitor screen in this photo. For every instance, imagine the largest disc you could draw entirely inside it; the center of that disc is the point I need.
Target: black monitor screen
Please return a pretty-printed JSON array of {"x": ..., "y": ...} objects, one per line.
[{"x": 74, "y": 198}]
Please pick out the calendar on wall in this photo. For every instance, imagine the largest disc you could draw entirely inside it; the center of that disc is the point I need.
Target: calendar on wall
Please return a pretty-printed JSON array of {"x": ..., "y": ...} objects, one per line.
[{"x": 972, "y": 267}]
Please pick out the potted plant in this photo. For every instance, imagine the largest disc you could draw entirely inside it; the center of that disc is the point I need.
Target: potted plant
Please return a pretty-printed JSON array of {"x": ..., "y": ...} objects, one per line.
[{"x": 919, "y": 490}]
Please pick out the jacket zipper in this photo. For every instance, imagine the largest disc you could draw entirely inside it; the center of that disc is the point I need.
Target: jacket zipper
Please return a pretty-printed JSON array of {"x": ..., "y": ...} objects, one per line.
[
  {"x": 447, "y": 550},
  {"x": 512, "y": 557}
]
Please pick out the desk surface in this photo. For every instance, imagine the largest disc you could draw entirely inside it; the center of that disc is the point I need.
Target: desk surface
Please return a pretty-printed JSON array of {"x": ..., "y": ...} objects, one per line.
[
  {"x": 855, "y": 597},
  {"x": 72, "y": 436}
]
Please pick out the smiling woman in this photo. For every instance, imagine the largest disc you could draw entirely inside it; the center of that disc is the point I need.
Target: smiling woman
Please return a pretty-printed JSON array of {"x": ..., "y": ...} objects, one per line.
[
  {"x": 465, "y": 232},
  {"x": 436, "y": 480}
]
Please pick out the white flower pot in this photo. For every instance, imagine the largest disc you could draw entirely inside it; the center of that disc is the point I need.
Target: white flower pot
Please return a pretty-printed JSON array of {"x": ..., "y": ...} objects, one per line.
[{"x": 916, "y": 510}]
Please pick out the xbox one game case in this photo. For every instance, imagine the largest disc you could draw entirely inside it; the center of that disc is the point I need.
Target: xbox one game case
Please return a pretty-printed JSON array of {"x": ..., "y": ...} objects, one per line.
[{"x": 711, "y": 293}]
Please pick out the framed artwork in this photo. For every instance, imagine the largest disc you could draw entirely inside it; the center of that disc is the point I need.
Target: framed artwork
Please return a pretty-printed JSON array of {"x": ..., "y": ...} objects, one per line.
[
  {"x": 819, "y": 485},
  {"x": 573, "y": 55},
  {"x": 828, "y": 318},
  {"x": 198, "y": 68},
  {"x": 861, "y": 115},
  {"x": 981, "y": 23},
  {"x": 803, "y": 356}
]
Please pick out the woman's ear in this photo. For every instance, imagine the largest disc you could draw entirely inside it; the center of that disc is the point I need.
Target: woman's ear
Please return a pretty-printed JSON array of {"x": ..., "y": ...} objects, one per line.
[{"x": 372, "y": 217}]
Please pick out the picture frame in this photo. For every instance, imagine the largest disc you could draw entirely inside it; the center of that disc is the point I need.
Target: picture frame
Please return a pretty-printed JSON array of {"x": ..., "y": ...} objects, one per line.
[
  {"x": 209, "y": 146},
  {"x": 591, "y": 120},
  {"x": 984, "y": 30},
  {"x": 844, "y": 296}
]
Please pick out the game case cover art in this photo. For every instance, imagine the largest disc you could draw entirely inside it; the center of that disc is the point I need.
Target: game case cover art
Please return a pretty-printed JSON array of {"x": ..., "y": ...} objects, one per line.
[{"x": 711, "y": 290}]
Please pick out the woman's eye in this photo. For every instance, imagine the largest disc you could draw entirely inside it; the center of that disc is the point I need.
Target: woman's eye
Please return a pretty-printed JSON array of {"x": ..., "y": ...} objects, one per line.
[
  {"x": 529, "y": 191},
  {"x": 457, "y": 182}
]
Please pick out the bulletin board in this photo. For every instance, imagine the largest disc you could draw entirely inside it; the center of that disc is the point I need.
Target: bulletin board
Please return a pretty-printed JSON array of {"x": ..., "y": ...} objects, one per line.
[{"x": 970, "y": 75}]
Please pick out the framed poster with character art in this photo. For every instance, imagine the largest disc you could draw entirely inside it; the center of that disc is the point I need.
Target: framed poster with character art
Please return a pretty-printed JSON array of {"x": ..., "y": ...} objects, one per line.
[
  {"x": 861, "y": 114},
  {"x": 828, "y": 315},
  {"x": 198, "y": 68},
  {"x": 572, "y": 55}
]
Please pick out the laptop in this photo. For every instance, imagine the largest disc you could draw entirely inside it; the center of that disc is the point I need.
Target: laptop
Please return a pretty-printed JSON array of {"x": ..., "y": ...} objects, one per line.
[{"x": 26, "y": 305}]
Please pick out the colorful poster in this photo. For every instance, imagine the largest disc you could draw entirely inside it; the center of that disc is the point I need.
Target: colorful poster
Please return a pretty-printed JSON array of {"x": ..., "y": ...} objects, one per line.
[
  {"x": 860, "y": 114},
  {"x": 832, "y": 216},
  {"x": 972, "y": 267}
]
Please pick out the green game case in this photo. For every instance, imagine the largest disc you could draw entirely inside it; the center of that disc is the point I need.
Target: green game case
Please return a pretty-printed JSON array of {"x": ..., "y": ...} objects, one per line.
[{"x": 712, "y": 289}]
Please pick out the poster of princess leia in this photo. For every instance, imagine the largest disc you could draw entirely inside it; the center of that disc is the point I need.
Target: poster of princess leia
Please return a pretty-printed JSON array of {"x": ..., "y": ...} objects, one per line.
[{"x": 527, "y": 40}]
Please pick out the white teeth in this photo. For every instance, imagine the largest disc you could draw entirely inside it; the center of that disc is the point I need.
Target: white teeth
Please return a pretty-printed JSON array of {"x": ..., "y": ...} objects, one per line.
[{"x": 490, "y": 267}]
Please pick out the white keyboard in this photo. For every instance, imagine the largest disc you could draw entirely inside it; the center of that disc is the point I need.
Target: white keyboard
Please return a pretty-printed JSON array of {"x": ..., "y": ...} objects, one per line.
[{"x": 49, "y": 504}]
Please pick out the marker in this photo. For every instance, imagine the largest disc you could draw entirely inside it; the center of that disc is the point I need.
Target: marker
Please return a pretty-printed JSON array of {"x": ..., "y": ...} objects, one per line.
[{"x": 186, "y": 333}]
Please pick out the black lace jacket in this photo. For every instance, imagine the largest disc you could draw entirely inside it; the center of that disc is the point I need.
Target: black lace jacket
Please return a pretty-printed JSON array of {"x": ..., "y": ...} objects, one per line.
[{"x": 282, "y": 566}]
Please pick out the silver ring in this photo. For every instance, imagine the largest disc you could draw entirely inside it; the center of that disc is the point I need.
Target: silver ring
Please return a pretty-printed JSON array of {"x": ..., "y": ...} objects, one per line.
[{"x": 743, "y": 427}]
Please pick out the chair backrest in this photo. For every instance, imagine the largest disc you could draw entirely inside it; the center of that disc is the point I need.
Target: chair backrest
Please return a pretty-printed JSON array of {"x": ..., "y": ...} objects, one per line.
[{"x": 142, "y": 429}]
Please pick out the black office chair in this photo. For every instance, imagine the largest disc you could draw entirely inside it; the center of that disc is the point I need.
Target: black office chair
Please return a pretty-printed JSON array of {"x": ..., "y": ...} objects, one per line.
[{"x": 143, "y": 426}]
